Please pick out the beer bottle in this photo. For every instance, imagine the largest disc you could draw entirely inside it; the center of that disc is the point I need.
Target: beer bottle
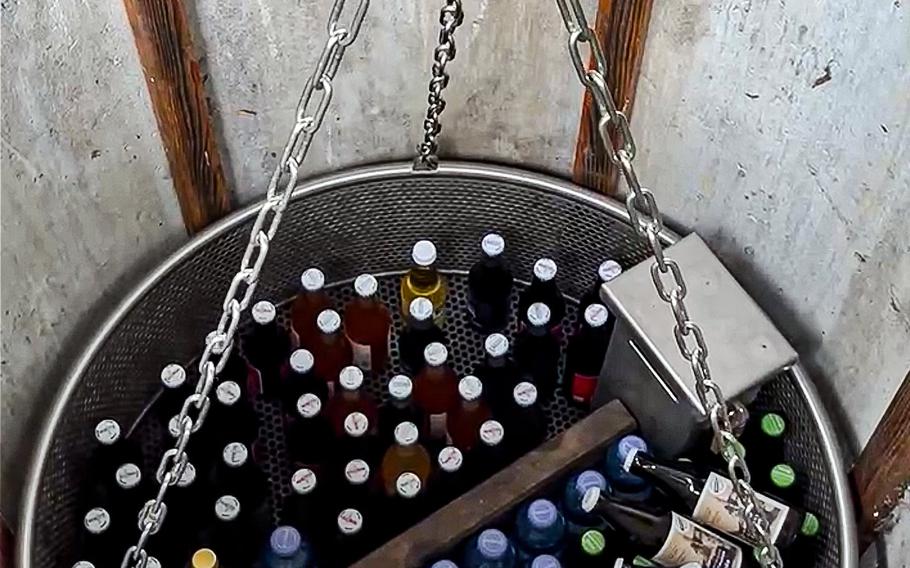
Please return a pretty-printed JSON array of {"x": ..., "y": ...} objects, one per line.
[
  {"x": 498, "y": 372},
  {"x": 129, "y": 492},
  {"x": 309, "y": 303},
  {"x": 367, "y": 323},
  {"x": 450, "y": 479},
  {"x": 231, "y": 419},
  {"x": 287, "y": 549},
  {"x": 99, "y": 542},
  {"x": 492, "y": 453},
  {"x": 419, "y": 331},
  {"x": 585, "y": 355},
  {"x": 351, "y": 397},
  {"x": 301, "y": 378},
  {"x": 309, "y": 436},
  {"x": 267, "y": 346},
  {"x": 436, "y": 389},
  {"x": 490, "y": 549},
  {"x": 409, "y": 504},
  {"x": 805, "y": 551},
  {"x": 304, "y": 508},
  {"x": 355, "y": 487},
  {"x": 358, "y": 440},
  {"x": 238, "y": 474},
  {"x": 423, "y": 280},
  {"x": 406, "y": 454},
  {"x": 577, "y": 520},
  {"x": 545, "y": 561},
  {"x": 783, "y": 483},
  {"x": 490, "y": 286},
  {"x": 350, "y": 540},
  {"x": 237, "y": 369},
  {"x": 543, "y": 289},
  {"x": 589, "y": 550},
  {"x": 764, "y": 438},
  {"x": 537, "y": 352},
  {"x": 623, "y": 483},
  {"x": 668, "y": 539},
  {"x": 607, "y": 271},
  {"x": 400, "y": 408},
  {"x": 331, "y": 349},
  {"x": 187, "y": 508},
  {"x": 111, "y": 450},
  {"x": 235, "y": 532},
  {"x": 525, "y": 419},
  {"x": 540, "y": 528},
  {"x": 463, "y": 422},
  {"x": 204, "y": 558},
  {"x": 174, "y": 390}
]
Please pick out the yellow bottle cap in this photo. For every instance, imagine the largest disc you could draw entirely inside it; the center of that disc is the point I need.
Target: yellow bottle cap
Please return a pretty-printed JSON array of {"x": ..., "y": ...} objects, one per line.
[{"x": 205, "y": 558}]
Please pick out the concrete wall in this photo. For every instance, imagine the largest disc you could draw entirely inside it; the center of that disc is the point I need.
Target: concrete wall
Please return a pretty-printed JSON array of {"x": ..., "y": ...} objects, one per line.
[{"x": 798, "y": 182}]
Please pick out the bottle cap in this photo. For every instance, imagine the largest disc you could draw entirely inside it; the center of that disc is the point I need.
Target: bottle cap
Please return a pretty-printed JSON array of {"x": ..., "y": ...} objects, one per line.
[
  {"x": 350, "y": 521},
  {"x": 492, "y": 544},
  {"x": 350, "y": 378},
  {"x": 491, "y": 432},
  {"x": 328, "y": 321},
  {"x": 308, "y": 405},
  {"x": 444, "y": 564},
  {"x": 173, "y": 376},
  {"x": 204, "y": 558},
  {"x": 470, "y": 388},
  {"x": 356, "y": 424},
  {"x": 450, "y": 459},
  {"x": 302, "y": 361},
  {"x": 545, "y": 561},
  {"x": 538, "y": 314},
  {"x": 627, "y": 448},
  {"x": 107, "y": 431},
  {"x": 173, "y": 426},
  {"x": 593, "y": 542},
  {"x": 264, "y": 312},
  {"x": 97, "y": 520},
  {"x": 810, "y": 525},
  {"x": 152, "y": 562},
  {"x": 524, "y": 394},
  {"x": 357, "y": 472},
  {"x": 303, "y": 481},
  {"x": 493, "y": 244},
  {"x": 773, "y": 425},
  {"x": 590, "y": 499},
  {"x": 188, "y": 476},
  {"x": 365, "y": 285},
  {"x": 285, "y": 541},
  {"x": 227, "y": 507},
  {"x": 87, "y": 564},
  {"x": 542, "y": 513},
  {"x": 406, "y": 434},
  {"x": 227, "y": 393},
  {"x": 608, "y": 270},
  {"x": 408, "y": 485},
  {"x": 435, "y": 354},
  {"x": 128, "y": 475},
  {"x": 588, "y": 479},
  {"x": 545, "y": 269},
  {"x": 424, "y": 253},
  {"x": 496, "y": 345},
  {"x": 312, "y": 279},
  {"x": 783, "y": 476},
  {"x": 596, "y": 315},
  {"x": 235, "y": 454},
  {"x": 400, "y": 387},
  {"x": 421, "y": 309}
]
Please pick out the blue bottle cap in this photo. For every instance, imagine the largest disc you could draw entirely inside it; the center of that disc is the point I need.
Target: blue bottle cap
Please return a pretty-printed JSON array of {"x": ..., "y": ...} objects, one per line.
[
  {"x": 546, "y": 561},
  {"x": 542, "y": 513},
  {"x": 444, "y": 564},
  {"x": 285, "y": 541},
  {"x": 492, "y": 544},
  {"x": 617, "y": 454},
  {"x": 588, "y": 479}
]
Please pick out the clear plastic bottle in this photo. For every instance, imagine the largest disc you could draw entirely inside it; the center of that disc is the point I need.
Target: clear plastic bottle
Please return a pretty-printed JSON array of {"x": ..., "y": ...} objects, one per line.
[{"x": 423, "y": 280}]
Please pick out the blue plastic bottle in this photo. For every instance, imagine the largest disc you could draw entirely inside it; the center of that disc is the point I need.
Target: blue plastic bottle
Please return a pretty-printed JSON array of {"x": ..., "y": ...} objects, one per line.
[
  {"x": 540, "y": 528},
  {"x": 577, "y": 520},
  {"x": 624, "y": 484},
  {"x": 286, "y": 549},
  {"x": 545, "y": 561},
  {"x": 490, "y": 549}
]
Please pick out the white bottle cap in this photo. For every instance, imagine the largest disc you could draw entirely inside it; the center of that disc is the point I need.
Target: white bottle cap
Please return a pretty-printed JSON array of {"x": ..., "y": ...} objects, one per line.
[
  {"x": 357, "y": 472},
  {"x": 356, "y": 424},
  {"x": 312, "y": 279},
  {"x": 308, "y": 405},
  {"x": 406, "y": 434},
  {"x": 264, "y": 312},
  {"x": 491, "y": 432},
  {"x": 450, "y": 459},
  {"x": 97, "y": 520},
  {"x": 470, "y": 388},
  {"x": 596, "y": 315},
  {"x": 608, "y": 270},
  {"x": 496, "y": 345},
  {"x": 173, "y": 376},
  {"x": 303, "y": 481},
  {"x": 350, "y": 521},
  {"x": 128, "y": 475},
  {"x": 227, "y": 507},
  {"x": 524, "y": 394},
  {"x": 87, "y": 564},
  {"x": 228, "y": 393},
  {"x": 365, "y": 285},
  {"x": 107, "y": 431},
  {"x": 424, "y": 253},
  {"x": 545, "y": 269},
  {"x": 173, "y": 426},
  {"x": 538, "y": 314},
  {"x": 493, "y": 244},
  {"x": 400, "y": 387},
  {"x": 301, "y": 361},
  {"x": 408, "y": 485},
  {"x": 187, "y": 477},
  {"x": 435, "y": 354},
  {"x": 421, "y": 309},
  {"x": 350, "y": 378},
  {"x": 152, "y": 562},
  {"x": 235, "y": 454},
  {"x": 328, "y": 321}
]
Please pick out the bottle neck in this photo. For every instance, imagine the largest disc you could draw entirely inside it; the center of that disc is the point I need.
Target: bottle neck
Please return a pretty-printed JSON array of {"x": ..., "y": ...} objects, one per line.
[
  {"x": 420, "y": 325},
  {"x": 684, "y": 485},
  {"x": 496, "y": 361},
  {"x": 650, "y": 529}
]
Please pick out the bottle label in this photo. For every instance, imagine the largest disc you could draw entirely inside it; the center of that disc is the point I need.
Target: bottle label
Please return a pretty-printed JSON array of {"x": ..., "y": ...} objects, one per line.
[
  {"x": 408, "y": 485},
  {"x": 719, "y": 507},
  {"x": 228, "y": 393},
  {"x": 583, "y": 387},
  {"x": 227, "y": 507},
  {"x": 303, "y": 481},
  {"x": 97, "y": 520},
  {"x": 450, "y": 459},
  {"x": 350, "y": 521},
  {"x": 361, "y": 355},
  {"x": 107, "y": 431},
  {"x": 688, "y": 542},
  {"x": 357, "y": 472},
  {"x": 438, "y": 428}
]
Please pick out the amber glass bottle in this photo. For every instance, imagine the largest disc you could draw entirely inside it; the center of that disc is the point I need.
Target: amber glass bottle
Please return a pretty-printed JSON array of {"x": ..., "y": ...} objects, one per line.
[
  {"x": 406, "y": 454},
  {"x": 331, "y": 350},
  {"x": 436, "y": 389},
  {"x": 310, "y": 302},
  {"x": 367, "y": 322},
  {"x": 464, "y": 420}
]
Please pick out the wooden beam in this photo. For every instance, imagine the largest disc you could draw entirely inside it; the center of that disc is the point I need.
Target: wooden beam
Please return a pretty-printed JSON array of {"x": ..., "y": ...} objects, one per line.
[
  {"x": 882, "y": 473},
  {"x": 621, "y": 26},
  {"x": 172, "y": 75}
]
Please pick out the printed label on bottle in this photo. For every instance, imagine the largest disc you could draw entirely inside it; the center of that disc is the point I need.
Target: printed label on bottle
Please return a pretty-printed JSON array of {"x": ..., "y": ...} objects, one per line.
[
  {"x": 438, "y": 429},
  {"x": 361, "y": 355},
  {"x": 583, "y": 387},
  {"x": 689, "y": 542},
  {"x": 719, "y": 507}
]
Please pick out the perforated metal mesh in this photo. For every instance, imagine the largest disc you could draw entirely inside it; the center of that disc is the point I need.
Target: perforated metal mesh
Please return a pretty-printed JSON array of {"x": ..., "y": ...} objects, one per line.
[{"x": 348, "y": 228}]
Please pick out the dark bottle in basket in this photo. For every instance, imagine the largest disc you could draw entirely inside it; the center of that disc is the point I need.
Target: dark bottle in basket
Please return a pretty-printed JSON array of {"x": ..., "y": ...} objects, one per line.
[
  {"x": 235, "y": 531},
  {"x": 351, "y": 397},
  {"x": 174, "y": 389},
  {"x": 358, "y": 440},
  {"x": 310, "y": 440},
  {"x": 367, "y": 322},
  {"x": 436, "y": 389},
  {"x": 419, "y": 331},
  {"x": 299, "y": 378},
  {"x": 100, "y": 540},
  {"x": 400, "y": 408},
  {"x": 187, "y": 509},
  {"x": 231, "y": 419},
  {"x": 236, "y": 473},
  {"x": 763, "y": 438},
  {"x": 492, "y": 453},
  {"x": 585, "y": 355},
  {"x": 237, "y": 369},
  {"x": 490, "y": 549},
  {"x": 578, "y": 520},
  {"x": 355, "y": 488},
  {"x": 463, "y": 422},
  {"x": 544, "y": 290},
  {"x": 408, "y": 505},
  {"x": 267, "y": 346},
  {"x": 545, "y": 561},
  {"x": 623, "y": 483},
  {"x": 112, "y": 450},
  {"x": 525, "y": 419},
  {"x": 539, "y": 529},
  {"x": 490, "y": 286},
  {"x": 589, "y": 550},
  {"x": 805, "y": 551},
  {"x": 287, "y": 549},
  {"x": 128, "y": 493},
  {"x": 305, "y": 508},
  {"x": 537, "y": 352},
  {"x": 351, "y": 538},
  {"x": 607, "y": 271},
  {"x": 450, "y": 478},
  {"x": 331, "y": 348},
  {"x": 406, "y": 454},
  {"x": 498, "y": 372},
  {"x": 309, "y": 303}
]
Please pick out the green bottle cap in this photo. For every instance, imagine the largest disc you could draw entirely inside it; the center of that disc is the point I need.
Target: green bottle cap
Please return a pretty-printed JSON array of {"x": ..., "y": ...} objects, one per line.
[
  {"x": 642, "y": 561},
  {"x": 593, "y": 542},
  {"x": 810, "y": 525},
  {"x": 783, "y": 476},
  {"x": 773, "y": 424}
]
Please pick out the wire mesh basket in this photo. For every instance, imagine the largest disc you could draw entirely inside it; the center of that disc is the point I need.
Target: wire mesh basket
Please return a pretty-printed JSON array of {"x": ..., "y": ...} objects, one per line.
[{"x": 359, "y": 221}]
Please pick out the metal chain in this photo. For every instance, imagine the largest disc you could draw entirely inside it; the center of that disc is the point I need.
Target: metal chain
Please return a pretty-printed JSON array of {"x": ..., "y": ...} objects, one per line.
[
  {"x": 311, "y": 109},
  {"x": 613, "y": 129},
  {"x": 450, "y": 17}
]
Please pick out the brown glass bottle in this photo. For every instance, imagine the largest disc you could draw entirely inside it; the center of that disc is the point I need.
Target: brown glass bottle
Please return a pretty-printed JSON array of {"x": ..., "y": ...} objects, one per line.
[
  {"x": 436, "y": 389},
  {"x": 463, "y": 422},
  {"x": 310, "y": 302},
  {"x": 331, "y": 349},
  {"x": 350, "y": 397},
  {"x": 406, "y": 454},
  {"x": 367, "y": 322}
]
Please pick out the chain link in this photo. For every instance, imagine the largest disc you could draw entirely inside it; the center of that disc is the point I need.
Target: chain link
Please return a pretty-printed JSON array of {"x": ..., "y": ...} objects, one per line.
[
  {"x": 450, "y": 17},
  {"x": 311, "y": 109},
  {"x": 645, "y": 217}
]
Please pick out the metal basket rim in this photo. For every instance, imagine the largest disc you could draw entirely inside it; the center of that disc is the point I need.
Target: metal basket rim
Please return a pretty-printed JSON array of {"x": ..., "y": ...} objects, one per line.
[{"x": 490, "y": 172}]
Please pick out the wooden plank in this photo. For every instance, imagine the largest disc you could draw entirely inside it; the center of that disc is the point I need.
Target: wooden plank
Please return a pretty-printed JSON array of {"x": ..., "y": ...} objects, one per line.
[
  {"x": 174, "y": 81},
  {"x": 621, "y": 26},
  {"x": 487, "y": 502},
  {"x": 882, "y": 473}
]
